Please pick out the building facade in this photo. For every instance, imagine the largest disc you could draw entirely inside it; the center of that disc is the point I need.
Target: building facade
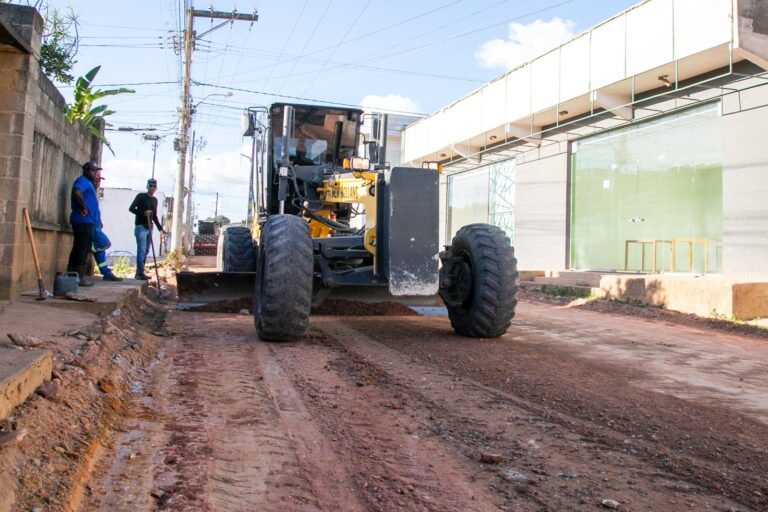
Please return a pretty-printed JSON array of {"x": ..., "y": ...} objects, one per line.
[{"x": 636, "y": 146}]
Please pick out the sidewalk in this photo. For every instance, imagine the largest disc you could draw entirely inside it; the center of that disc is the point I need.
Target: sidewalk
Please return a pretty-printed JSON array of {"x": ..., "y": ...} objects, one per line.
[{"x": 23, "y": 370}]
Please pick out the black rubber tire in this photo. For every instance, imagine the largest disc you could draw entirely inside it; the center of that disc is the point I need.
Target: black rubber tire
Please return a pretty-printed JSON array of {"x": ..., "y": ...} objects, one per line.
[
  {"x": 283, "y": 295},
  {"x": 236, "y": 251},
  {"x": 489, "y": 307}
]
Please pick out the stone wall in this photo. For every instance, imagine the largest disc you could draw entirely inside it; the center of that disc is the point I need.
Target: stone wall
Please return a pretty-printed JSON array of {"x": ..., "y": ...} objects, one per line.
[{"x": 40, "y": 157}]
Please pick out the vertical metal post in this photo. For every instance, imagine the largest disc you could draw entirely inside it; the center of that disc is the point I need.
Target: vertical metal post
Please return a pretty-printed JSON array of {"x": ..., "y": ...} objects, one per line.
[
  {"x": 282, "y": 187},
  {"x": 383, "y": 128},
  {"x": 191, "y": 181},
  {"x": 249, "y": 218}
]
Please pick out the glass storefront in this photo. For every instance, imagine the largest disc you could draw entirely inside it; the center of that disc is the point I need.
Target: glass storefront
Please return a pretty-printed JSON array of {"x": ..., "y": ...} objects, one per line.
[
  {"x": 467, "y": 199},
  {"x": 649, "y": 197},
  {"x": 486, "y": 194}
]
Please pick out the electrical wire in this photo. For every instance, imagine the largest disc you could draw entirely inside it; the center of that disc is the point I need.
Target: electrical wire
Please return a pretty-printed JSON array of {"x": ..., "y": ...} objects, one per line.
[
  {"x": 306, "y": 43},
  {"x": 290, "y": 34},
  {"x": 303, "y": 98},
  {"x": 333, "y": 52}
]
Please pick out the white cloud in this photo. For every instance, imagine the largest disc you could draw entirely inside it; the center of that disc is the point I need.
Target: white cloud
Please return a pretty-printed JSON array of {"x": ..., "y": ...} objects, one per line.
[
  {"x": 389, "y": 103},
  {"x": 524, "y": 43}
]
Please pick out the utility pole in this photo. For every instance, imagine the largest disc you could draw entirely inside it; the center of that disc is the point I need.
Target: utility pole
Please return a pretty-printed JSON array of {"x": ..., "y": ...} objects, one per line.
[
  {"x": 216, "y": 209},
  {"x": 181, "y": 143}
]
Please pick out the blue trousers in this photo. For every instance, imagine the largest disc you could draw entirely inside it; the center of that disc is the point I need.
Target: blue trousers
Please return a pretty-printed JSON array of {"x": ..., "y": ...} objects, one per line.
[{"x": 142, "y": 248}]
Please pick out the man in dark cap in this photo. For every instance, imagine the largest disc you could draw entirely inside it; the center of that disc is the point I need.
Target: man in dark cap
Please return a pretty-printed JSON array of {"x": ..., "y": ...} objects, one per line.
[
  {"x": 144, "y": 207},
  {"x": 85, "y": 217}
]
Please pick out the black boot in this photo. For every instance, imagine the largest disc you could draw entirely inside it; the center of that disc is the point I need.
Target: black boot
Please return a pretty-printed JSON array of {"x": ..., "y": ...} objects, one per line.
[{"x": 84, "y": 281}]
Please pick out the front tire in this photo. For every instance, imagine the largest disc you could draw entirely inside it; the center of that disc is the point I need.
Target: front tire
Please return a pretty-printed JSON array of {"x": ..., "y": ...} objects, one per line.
[
  {"x": 478, "y": 281},
  {"x": 235, "y": 251},
  {"x": 283, "y": 295}
]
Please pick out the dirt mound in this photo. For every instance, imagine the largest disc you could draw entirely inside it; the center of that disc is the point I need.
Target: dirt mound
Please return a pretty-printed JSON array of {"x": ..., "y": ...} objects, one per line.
[
  {"x": 69, "y": 417},
  {"x": 343, "y": 307}
]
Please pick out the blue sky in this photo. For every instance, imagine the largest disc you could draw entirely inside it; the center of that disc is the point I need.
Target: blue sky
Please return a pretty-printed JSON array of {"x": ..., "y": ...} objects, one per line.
[{"x": 413, "y": 56}]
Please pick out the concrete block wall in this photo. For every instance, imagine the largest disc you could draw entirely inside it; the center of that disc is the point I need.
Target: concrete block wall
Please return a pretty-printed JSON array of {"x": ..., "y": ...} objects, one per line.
[{"x": 40, "y": 157}]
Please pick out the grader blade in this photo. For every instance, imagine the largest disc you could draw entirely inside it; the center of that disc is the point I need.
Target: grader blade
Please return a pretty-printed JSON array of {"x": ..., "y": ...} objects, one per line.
[{"x": 215, "y": 291}]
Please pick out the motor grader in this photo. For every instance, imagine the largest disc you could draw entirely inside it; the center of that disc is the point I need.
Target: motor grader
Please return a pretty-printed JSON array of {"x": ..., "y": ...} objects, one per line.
[{"x": 330, "y": 215}]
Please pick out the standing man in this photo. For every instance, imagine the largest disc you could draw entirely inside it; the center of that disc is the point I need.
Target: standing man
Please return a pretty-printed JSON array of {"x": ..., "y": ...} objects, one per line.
[
  {"x": 144, "y": 207},
  {"x": 85, "y": 217}
]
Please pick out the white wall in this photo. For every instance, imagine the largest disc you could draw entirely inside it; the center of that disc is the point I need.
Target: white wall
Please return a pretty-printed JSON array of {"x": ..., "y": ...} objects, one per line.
[{"x": 119, "y": 222}]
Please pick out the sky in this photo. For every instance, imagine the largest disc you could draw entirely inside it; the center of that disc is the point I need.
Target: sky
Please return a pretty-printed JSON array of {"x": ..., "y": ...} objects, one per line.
[{"x": 397, "y": 55}]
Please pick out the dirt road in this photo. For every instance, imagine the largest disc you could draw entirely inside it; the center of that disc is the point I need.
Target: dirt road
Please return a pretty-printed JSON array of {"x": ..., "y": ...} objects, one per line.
[{"x": 570, "y": 410}]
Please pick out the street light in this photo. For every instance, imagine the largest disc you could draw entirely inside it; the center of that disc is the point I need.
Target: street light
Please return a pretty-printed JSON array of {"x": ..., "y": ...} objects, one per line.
[
  {"x": 154, "y": 138},
  {"x": 227, "y": 94},
  {"x": 180, "y": 144}
]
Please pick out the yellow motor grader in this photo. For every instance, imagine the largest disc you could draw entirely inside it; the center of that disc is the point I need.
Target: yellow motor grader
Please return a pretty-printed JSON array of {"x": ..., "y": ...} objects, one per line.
[{"x": 325, "y": 219}]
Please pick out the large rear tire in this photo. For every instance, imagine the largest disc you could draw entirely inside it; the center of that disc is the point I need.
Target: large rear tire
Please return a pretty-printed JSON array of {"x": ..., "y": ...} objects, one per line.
[
  {"x": 235, "y": 252},
  {"x": 478, "y": 281},
  {"x": 283, "y": 295}
]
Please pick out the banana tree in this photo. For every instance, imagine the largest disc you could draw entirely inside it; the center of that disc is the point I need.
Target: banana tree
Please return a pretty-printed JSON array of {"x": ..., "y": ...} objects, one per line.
[{"x": 82, "y": 109}]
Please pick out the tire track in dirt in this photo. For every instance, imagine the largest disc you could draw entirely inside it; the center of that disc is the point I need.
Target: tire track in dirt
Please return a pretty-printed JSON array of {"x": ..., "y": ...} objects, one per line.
[
  {"x": 376, "y": 435},
  {"x": 240, "y": 435},
  {"x": 552, "y": 462}
]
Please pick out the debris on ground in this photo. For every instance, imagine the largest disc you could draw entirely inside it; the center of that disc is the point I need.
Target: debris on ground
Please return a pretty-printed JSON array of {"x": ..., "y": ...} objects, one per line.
[
  {"x": 79, "y": 297},
  {"x": 491, "y": 458},
  {"x": 25, "y": 340},
  {"x": 13, "y": 438}
]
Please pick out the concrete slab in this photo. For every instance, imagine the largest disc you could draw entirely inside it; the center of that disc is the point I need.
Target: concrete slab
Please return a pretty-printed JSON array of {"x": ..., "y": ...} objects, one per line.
[
  {"x": 21, "y": 372},
  {"x": 107, "y": 296},
  {"x": 706, "y": 296}
]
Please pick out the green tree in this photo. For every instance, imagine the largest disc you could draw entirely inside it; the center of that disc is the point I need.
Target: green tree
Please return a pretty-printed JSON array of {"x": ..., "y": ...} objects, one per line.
[
  {"x": 60, "y": 40},
  {"x": 82, "y": 109},
  {"x": 221, "y": 220},
  {"x": 60, "y": 44}
]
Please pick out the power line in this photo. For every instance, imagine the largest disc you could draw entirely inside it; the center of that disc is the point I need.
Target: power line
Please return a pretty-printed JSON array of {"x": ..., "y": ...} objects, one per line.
[
  {"x": 457, "y": 36},
  {"x": 337, "y": 65},
  {"x": 301, "y": 98},
  {"x": 349, "y": 29},
  {"x": 287, "y": 40},
  {"x": 306, "y": 43}
]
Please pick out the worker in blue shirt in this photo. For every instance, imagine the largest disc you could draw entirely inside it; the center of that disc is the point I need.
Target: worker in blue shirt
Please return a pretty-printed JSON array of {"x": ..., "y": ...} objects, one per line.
[
  {"x": 101, "y": 243},
  {"x": 85, "y": 218}
]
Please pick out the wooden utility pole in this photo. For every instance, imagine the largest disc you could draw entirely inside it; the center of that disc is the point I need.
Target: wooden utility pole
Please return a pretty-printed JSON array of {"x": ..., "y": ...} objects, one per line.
[{"x": 181, "y": 143}]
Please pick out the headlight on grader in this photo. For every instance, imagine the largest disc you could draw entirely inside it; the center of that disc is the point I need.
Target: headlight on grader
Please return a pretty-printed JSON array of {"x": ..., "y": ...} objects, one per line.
[
  {"x": 359, "y": 163},
  {"x": 435, "y": 166}
]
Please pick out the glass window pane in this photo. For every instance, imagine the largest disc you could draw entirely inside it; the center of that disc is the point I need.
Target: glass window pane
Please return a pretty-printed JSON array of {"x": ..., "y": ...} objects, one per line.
[
  {"x": 467, "y": 199},
  {"x": 649, "y": 197},
  {"x": 502, "y": 196}
]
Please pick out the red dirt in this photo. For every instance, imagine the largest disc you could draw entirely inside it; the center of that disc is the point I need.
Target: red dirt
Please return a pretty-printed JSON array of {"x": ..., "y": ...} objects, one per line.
[{"x": 572, "y": 407}]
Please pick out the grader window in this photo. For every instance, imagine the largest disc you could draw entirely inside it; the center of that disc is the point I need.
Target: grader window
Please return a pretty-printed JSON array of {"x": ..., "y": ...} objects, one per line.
[{"x": 312, "y": 140}]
